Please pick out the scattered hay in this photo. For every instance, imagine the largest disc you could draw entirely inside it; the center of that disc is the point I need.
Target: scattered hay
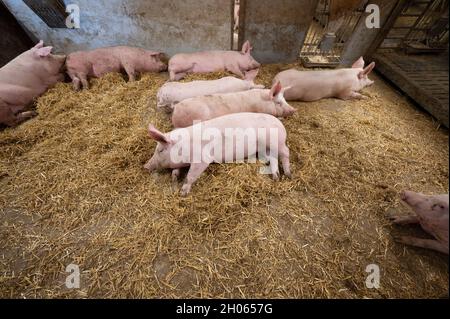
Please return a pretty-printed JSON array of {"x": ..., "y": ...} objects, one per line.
[{"x": 73, "y": 190}]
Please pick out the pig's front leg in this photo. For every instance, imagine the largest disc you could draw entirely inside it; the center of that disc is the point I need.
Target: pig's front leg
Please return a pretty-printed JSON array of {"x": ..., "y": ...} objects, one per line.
[
  {"x": 404, "y": 220},
  {"x": 175, "y": 175},
  {"x": 351, "y": 95},
  {"x": 284, "y": 156},
  {"x": 236, "y": 70},
  {"x": 194, "y": 173},
  {"x": 423, "y": 243},
  {"x": 177, "y": 73},
  {"x": 357, "y": 96}
]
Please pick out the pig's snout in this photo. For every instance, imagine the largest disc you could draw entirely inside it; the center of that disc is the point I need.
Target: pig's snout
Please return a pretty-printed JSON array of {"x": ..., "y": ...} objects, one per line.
[
  {"x": 149, "y": 166},
  {"x": 411, "y": 198},
  {"x": 405, "y": 196}
]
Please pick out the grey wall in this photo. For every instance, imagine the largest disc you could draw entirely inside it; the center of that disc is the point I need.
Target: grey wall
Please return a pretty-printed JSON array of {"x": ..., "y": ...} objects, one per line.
[
  {"x": 171, "y": 26},
  {"x": 276, "y": 29}
]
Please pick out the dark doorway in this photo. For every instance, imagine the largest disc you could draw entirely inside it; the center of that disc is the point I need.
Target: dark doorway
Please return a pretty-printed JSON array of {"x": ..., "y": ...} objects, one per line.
[{"x": 14, "y": 40}]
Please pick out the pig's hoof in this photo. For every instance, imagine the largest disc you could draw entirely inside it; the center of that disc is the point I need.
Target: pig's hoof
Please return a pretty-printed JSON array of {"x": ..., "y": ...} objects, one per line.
[
  {"x": 401, "y": 239},
  {"x": 185, "y": 189},
  {"x": 276, "y": 177},
  {"x": 288, "y": 175},
  {"x": 395, "y": 219}
]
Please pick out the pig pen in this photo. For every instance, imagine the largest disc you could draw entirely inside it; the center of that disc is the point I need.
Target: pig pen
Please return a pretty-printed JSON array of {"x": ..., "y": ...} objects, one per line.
[{"x": 73, "y": 191}]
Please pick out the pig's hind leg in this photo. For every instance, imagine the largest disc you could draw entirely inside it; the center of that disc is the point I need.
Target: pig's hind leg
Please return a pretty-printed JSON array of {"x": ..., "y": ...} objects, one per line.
[
  {"x": 10, "y": 119},
  {"x": 423, "y": 243},
  {"x": 194, "y": 173},
  {"x": 131, "y": 72},
  {"x": 25, "y": 116},
  {"x": 76, "y": 82},
  {"x": 84, "y": 81},
  {"x": 236, "y": 70},
  {"x": 351, "y": 95}
]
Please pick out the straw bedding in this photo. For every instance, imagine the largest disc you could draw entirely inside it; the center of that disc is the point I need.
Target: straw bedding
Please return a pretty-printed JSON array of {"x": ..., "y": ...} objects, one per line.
[{"x": 73, "y": 190}]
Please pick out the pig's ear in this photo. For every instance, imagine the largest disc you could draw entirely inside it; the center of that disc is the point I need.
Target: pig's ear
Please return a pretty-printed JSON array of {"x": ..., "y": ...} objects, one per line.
[
  {"x": 283, "y": 90},
  {"x": 367, "y": 70},
  {"x": 43, "y": 52},
  {"x": 157, "y": 135},
  {"x": 39, "y": 45},
  {"x": 251, "y": 75},
  {"x": 246, "y": 47},
  {"x": 275, "y": 90},
  {"x": 359, "y": 64}
]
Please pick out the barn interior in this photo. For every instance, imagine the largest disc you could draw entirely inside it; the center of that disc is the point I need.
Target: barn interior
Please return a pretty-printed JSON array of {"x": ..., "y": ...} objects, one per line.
[{"x": 73, "y": 189}]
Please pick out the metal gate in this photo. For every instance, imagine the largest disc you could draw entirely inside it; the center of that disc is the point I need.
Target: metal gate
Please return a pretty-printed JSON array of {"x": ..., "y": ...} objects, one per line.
[
  {"x": 414, "y": 54},
  {"x": 421, "y": 27},
  {"x": 326, "y": 38}
]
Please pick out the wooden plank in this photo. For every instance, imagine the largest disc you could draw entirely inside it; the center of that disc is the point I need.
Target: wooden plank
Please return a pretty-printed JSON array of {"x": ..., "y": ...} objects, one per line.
[{"x": 417, "y": 88}]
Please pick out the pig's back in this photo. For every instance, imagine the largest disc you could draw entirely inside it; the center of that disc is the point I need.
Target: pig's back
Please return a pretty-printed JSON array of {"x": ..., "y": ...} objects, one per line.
[
  {"x": 24, "y": 74},
  {"x": 199, "y": 88},
  {"x": 245, "y": 120},
  {"x": 309, "y": 85},
  {"x": 203, "y": 108},
  {"x": 205, "y": 61}
]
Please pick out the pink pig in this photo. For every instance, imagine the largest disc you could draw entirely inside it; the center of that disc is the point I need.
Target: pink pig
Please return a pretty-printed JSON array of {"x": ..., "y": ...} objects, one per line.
[
  {"x": 212, "y": 61},
  {"x": 311, "y": 86},
  {"x": 207, "y": 107},
  {"x": 172, "y": 93},
  {"x": 431, "y": 212},
  {"x": 84, "y": 64},
  {"x": 199, "y": 150},
  {"x": 26, "y": 77}
]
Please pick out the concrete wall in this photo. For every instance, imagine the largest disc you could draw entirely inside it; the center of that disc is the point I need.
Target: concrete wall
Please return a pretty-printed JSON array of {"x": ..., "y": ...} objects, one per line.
[
  {"x": 276, "y": 29},
  {"x": 171, "y": 26}
]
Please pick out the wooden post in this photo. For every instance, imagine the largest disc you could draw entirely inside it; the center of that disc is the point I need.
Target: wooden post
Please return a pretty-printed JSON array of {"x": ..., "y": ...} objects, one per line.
[
  {"x": 363, "y": 38},
  {"x": 276, "y": 29}
]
